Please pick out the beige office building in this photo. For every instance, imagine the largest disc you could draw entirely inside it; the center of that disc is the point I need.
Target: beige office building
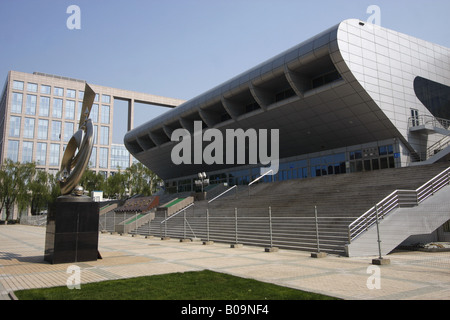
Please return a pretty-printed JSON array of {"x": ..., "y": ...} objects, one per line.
[{"x": 39, "y": 113}]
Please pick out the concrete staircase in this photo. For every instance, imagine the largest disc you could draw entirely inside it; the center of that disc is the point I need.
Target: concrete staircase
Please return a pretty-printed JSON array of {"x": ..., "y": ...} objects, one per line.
[
  {"x": 339, "y": 200},
  {"x": 408, "y": 219}
]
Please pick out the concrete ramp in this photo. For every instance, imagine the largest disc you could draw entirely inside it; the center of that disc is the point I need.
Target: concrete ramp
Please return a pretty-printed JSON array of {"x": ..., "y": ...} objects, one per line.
[{"x": 402, "y": 223}]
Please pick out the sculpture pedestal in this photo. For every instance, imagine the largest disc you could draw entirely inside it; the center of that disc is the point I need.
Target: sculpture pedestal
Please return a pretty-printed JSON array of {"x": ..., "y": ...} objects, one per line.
[{"x": 72, "y": 230}]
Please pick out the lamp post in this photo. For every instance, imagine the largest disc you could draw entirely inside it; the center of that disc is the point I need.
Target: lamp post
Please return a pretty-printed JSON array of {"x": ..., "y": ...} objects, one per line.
[{"x": 202, "y": 182}]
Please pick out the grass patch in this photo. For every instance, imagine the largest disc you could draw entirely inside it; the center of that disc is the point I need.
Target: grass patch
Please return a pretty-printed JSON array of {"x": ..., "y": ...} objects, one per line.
[{"x": 201, "y": 285}]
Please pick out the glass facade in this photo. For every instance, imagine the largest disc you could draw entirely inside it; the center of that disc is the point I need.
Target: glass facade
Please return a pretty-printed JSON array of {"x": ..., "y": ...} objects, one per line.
[
  {"x": 43, "y": 113},
  {"x": 364, "y": 159},
  {"x": 120, "y": 157}
]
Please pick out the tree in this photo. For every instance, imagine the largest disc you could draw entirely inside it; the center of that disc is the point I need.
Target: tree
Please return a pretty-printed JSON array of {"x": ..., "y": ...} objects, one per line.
[
  {"x": 141, "y": 180},
  {"x": 14, "y": 181},
  {"x": 40, "y": 191},
  {"x": 92, "y": 181},
  {"x": 117, "y": 184}
]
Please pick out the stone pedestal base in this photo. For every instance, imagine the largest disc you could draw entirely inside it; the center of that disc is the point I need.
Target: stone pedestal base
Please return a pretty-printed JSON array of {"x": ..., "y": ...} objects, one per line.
[
  {"x": 318, "y": 255},
  {"x": 72, "y": 231},
  {"x": 381, "y": 261}
]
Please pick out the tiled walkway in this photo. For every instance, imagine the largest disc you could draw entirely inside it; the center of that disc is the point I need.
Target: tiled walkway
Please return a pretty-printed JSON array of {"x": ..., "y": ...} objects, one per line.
[{"x": 411, "y": 275}]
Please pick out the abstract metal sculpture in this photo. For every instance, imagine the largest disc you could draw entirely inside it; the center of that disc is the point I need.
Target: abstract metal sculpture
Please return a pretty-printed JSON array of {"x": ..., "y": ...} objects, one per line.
[{"x": 73, "y": 163}]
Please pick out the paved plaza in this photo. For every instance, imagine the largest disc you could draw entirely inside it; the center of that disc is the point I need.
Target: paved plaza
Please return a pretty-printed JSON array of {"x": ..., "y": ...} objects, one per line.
[{"x": 410, "y": 276}]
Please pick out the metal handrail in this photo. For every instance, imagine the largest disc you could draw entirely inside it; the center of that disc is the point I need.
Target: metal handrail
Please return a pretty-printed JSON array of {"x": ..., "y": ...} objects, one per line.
[
  {"x": 260, "y": 177},
  {"x": 216, "y": 197},
  {"x": 395, "y": 200},
  {"x": 176, "y": 213},
  {"x": 424, "y": 119}
]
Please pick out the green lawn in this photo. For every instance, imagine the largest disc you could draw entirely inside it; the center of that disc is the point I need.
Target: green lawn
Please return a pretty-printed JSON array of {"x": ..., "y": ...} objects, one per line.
[{"x": 203, "y": 285}]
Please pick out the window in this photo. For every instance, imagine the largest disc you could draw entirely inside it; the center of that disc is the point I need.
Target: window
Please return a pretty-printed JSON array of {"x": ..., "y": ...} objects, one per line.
[
  {"x": 56, "y": 131},
  {"x": 17, "y": 102},
  {"x": 104, "y": 136},
  {"x": 28, "y": 128},
  {"x": 27, "y": 152},
  {"x": 96, "y": 98},
  {"x": 106, "y": 98},
  {"x": 81, "y": 95},
  {"x": 30, "y": 107},
  {"x": 13, "y": 150},
  {"x": 70, "y": 109},
  {"x": 415, "y": 121},
  {"x": 94, "y": 113},
  {"x": 41, "y": 153},
  {"x": 57, "y": 108},
  {"x": 43, "y": 129},
  {"x": 95, "y": 134},
  {"x": 120, "y": 157},
  {"x": 17, "y": 85},
  {"x": 68, "y": 131},
  {"x": 44, "y": 106},
  {"x": 103, "y": 158},
  {"x": 325, "y": 79},
  {"x": 46, "y": 89},
  {"x": 59, "y": 92},
  {"x": 80, "y": 107},
  {"x": 14, "y": 126},
  {"x": 93, "y": 158},
  {"x": 71, "y": 93},
  {"x": 32, "y": 87},
  {"x": 105, "y": 114},
  {"x": 434, "y": 96},
  {"x": 54, "y": 155}
]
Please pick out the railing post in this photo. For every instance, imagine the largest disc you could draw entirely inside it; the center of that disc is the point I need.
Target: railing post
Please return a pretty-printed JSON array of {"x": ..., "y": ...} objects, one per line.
[
  {"x": 317, "y": 229},
  {"x": 165, "y": 224},
  {"x": 184, "y": 224},
  {"x": 207, "y": 224},
  {"x": 270, "y": 226},
  {"x": 317, "y": 254},
  {"x": 378, "y": 232},
  {"x": 236, "y": 225},
  {"x": 380, "y": 259}
]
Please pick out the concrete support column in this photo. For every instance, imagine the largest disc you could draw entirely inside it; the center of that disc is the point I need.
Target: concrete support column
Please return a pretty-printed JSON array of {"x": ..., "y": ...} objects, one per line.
[{"x": 130, "y": 114}]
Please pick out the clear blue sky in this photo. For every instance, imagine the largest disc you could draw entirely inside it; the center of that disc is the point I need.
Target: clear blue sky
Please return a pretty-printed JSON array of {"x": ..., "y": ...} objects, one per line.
[{"x": 181, "y": 48}]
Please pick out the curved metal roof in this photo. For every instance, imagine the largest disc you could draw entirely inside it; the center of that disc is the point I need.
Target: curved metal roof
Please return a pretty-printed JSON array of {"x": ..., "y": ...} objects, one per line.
[{"x": 319, "y": 95}]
